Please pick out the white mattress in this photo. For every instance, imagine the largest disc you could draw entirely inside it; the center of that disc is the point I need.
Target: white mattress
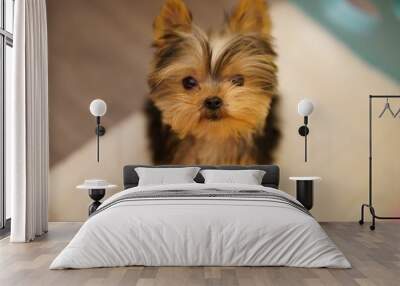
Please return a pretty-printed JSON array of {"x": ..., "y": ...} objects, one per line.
[{"x": 202, "y": 231}]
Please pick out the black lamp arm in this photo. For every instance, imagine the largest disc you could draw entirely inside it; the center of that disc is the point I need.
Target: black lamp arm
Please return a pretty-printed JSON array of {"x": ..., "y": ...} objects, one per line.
[
  {"x": 304, "y": 131},
  {"x": 100, "y": 131}
]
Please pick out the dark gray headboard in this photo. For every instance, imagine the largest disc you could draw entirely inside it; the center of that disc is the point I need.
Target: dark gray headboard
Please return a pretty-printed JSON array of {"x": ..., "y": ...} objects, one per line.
[{"x": 271, "y": 177}]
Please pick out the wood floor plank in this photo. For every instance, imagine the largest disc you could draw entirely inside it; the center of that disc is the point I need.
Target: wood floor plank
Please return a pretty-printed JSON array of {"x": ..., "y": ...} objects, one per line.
[{"x": 375, "y": 257}]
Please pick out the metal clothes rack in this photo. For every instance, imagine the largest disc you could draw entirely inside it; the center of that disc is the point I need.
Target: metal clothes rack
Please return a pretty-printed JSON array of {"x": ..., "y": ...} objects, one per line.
[{"x": 370, "y": 205}]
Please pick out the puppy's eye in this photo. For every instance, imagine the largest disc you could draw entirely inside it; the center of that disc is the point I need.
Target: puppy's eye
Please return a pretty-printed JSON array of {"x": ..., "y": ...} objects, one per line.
[
  {"x": 189, "y": 82},
  {"x": 238, "y": 80}
]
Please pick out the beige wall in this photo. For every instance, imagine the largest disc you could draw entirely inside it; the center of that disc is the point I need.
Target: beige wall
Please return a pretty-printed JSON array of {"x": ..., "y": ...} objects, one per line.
[{"x": 314, "y": 65}]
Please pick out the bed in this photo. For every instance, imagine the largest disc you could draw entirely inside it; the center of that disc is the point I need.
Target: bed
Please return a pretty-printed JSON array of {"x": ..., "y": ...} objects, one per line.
[{"x": 198, "y": 224}]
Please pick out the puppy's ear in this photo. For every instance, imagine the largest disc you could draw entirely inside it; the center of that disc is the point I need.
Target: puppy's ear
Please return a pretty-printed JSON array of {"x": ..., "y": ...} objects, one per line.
[
  {"x": 174, "y": 16},
  {"x": 250, "y": 16}
]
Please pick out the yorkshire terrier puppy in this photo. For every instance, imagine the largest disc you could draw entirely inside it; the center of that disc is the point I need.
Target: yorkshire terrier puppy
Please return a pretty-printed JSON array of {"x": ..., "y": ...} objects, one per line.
[{"x": 213, "y": 95}]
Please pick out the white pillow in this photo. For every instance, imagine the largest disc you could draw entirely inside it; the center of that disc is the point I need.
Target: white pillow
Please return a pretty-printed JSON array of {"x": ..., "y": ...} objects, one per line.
[
  {"x": 248, "y": 177},
  {"x": 162, "y": 176}
]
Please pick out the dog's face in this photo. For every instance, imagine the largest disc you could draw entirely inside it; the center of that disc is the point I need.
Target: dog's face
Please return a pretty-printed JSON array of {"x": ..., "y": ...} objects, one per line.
[{"x": 214, "y": 85}]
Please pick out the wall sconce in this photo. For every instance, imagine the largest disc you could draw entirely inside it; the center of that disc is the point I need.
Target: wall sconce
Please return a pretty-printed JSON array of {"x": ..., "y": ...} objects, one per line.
[
  {"x": 305, "y": 108},
  {"x": 98, "y": 108}
]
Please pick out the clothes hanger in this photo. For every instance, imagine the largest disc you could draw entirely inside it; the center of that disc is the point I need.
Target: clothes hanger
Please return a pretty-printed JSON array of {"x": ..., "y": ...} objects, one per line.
[
  {"x": 397, "y": 113},
  {"x": 387, "y": 107}
]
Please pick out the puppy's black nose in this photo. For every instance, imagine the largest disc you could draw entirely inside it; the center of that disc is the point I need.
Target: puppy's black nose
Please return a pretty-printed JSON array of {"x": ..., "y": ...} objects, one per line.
[{"x": 213, "y": 103}]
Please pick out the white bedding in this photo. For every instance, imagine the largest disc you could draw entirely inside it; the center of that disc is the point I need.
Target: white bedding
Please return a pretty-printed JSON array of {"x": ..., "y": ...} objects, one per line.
[{"x": 200, "y": 231}]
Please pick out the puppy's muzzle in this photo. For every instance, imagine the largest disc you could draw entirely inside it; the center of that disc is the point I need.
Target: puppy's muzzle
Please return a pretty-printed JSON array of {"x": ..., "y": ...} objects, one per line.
[{"x": 213, "y": 103}]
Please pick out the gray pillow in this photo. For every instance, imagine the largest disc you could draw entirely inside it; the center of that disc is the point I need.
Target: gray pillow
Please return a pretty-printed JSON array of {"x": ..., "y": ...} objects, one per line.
[
  {"x": 163, "y": 176},
  {"x": 247, "y": 177}
]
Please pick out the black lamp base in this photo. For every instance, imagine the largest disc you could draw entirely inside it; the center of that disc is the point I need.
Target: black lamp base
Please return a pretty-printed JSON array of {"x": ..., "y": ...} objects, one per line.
[
  {"x": 304, "y": 131},
  {"x": 100, "y": 130}
]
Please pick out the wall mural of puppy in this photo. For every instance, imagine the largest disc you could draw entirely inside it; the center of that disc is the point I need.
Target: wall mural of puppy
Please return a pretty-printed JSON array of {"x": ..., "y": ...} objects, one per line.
[{"x": 213, "y": 95}]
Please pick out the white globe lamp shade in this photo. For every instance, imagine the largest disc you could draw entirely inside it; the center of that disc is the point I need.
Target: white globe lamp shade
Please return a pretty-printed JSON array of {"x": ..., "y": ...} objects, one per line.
[
  {"x": 305, "y": 107},
  {"x": 98, "y": 107}
]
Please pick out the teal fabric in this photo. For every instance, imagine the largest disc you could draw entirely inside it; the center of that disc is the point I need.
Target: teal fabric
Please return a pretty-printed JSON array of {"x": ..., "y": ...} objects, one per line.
[{"x": 376, "y": 39}]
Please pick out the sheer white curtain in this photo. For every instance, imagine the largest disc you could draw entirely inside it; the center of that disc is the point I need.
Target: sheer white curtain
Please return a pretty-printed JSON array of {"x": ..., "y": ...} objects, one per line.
[{"x": 27, "y": 124}]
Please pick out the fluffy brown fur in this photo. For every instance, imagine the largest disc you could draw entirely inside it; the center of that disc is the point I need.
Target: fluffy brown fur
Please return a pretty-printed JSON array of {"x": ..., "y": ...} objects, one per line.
[{"x": 235, "y": 65}]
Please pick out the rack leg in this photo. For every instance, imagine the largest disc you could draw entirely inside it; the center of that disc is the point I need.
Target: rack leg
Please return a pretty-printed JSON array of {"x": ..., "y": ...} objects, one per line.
[
  {"x": 374, "y": 216},
  {"x": 361, "y": 221},
  {"x": 372, "y": 210}
]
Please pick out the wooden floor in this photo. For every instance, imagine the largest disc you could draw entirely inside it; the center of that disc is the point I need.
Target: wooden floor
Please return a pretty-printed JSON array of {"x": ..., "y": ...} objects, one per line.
[{"x": 375, "y": 257}]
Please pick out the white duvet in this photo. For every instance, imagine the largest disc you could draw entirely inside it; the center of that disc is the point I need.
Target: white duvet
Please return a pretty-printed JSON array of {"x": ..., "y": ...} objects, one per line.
[{"x": 200, "y": 231}]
